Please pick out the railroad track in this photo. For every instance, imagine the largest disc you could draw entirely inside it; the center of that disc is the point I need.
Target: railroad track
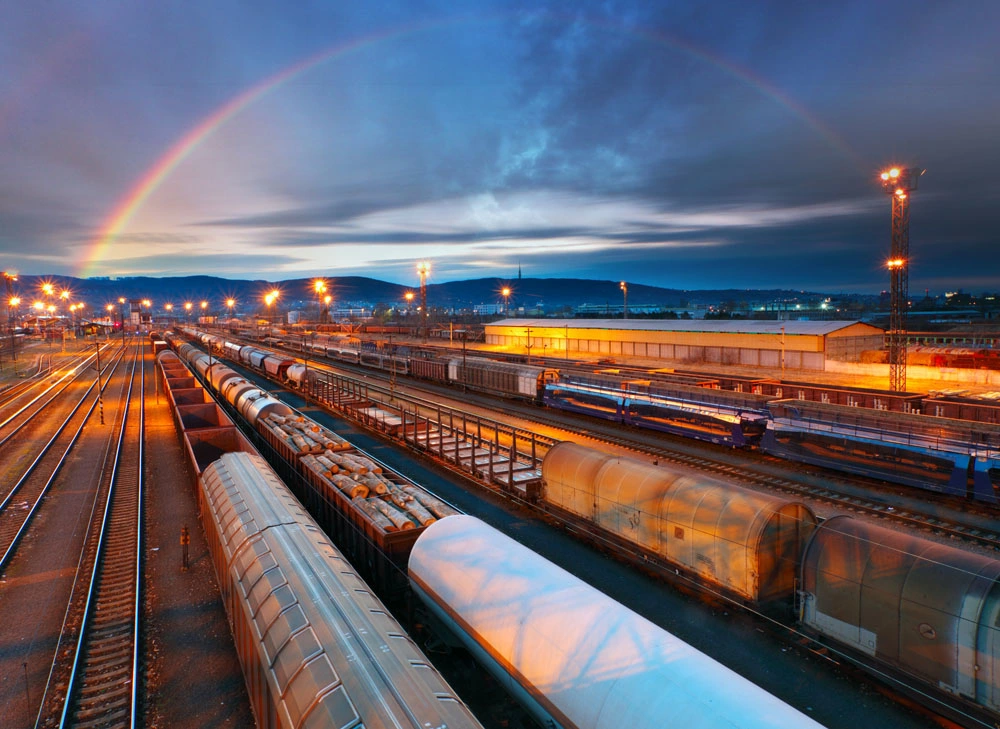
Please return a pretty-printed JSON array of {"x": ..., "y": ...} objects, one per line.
[
  {"x": 24, "y": 498},
  {"x": 93, "y": 680}
]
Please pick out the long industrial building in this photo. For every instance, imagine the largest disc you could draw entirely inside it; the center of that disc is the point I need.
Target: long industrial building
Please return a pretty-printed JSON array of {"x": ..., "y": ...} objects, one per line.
[{"x": 804, "y": 345}]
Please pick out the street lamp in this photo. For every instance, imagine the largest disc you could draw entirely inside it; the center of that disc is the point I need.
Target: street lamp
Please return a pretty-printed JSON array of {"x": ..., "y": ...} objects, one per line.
[
  {"x": 204, "y": 307},
  {"x": 121, "y": 306},
  {"x": 505, "y": 293},
  {"x": 12, "y": 304},
  {"x": 187, "y": 312},
  {"x": 319, "y": 286},
  {"x": 423, "y": 268},
  {"x": 326, "y": 301},
  {"x": 624, "y": 287}
]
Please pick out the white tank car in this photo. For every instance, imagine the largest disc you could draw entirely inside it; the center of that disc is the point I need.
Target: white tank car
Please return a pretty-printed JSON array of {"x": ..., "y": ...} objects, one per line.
[{"x": 572, "y": 655}]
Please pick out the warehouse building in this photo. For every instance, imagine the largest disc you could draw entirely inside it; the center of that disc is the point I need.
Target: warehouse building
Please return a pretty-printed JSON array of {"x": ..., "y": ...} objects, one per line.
[{"x": 802, "y": 345}]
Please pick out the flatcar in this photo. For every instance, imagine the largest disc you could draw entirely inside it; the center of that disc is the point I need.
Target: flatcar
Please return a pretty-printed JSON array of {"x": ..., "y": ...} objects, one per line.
[{"x": 575, "y": 657}]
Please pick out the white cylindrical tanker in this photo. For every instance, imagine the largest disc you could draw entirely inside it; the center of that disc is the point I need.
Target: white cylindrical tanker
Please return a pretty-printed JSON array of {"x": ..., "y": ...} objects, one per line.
[{"x": 571, "y": 654}]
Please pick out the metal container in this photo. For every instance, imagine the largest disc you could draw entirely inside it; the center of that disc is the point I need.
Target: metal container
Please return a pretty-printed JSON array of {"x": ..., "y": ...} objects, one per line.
[
  {"x": 254, "y": 408},
  {"x": 930, "y": 609}
]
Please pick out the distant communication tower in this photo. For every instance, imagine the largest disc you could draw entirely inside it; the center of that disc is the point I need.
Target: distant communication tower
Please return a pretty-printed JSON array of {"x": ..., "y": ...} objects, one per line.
[{"x": 899, "y": 182}]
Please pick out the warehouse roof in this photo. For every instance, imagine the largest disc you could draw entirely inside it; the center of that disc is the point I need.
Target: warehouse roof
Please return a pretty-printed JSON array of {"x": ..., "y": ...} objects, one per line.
[{"x": 726, "y": 326}]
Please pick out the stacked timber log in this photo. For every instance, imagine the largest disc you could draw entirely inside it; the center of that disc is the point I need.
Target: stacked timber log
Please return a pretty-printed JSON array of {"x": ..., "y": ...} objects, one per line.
[
  {"x": 389, "y": 505},
  {"x": 304, "y": 436}
]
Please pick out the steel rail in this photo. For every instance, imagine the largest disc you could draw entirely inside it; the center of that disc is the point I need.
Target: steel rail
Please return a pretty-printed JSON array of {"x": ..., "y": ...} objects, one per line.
[
  {"x": 89, "y": 608},
  {"x": 11, "y": 548}
]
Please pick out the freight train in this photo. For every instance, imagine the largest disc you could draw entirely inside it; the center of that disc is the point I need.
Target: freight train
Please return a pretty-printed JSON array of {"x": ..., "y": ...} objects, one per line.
[
  {"x": 293, "y": 601},
  {"x": 317, "y": 647},
  {"x": 884, "y": 448},
  {"x": 898, "y": 604}
]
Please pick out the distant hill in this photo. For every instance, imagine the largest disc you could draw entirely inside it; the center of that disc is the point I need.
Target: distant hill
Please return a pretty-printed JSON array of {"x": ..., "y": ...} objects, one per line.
[{"x": 551, "y": 293}]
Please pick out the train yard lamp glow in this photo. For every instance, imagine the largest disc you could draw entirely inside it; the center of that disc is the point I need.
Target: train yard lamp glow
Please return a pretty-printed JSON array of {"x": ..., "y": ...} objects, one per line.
[
  {"x": 319, "y": 286},
  {"x": 624, "y": 287},
  {"x": 230, "y": 303},
  {"x": 898, "y": 183},
  {"x": 12, "y": 303},
  {"x": 505, "y": 293},
  {"x": 121, "y": 307},
  {"x": 423, "y": 268},
  {"x": 204, "y": 312},
  {"x": 271, "y": 297},
  {"x": 187, "y": 311}
]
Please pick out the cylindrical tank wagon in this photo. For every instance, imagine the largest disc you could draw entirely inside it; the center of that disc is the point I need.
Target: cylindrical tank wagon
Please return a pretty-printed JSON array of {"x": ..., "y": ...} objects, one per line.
[
  {"x": 746, "y": 542},
  {"x": 929, "y": 610},
  {"x": 571, "y": 654}
]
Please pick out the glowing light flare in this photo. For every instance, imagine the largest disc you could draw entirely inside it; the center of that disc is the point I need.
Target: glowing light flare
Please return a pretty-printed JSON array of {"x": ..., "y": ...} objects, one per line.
[
  {"x": 147, "y": 303},
  {"x": 48, "y": 289},
  {"x": 408, "y": 296},
  {"x": 327, "y": 299},
  {"x": 423, "y": 268},
  {"x": 15, "y": 300},
  {"x": 319, "y": 286},
  {"x": 894, "y": 173},
  {"x": 110, "y": 307},
  {"x": 188, "y": 305},
  {"x": 895, "y": 263},
  {"x": 204, "y": 304},
  {"x": 39, "y": 306},
  {"x": 885, "y": 176},
  {"x": 230, "y": 303},
  {"x": 121, "y": 299},
  {"x": 168, "y": 307}
]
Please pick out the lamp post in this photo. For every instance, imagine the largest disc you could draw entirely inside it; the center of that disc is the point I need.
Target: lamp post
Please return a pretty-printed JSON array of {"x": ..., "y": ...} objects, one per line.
[
  {"x": 187, "y": 312},
  {"x": 121, "y": 306},
  {"x": 12, "y": 303},
  {"x": 624, "y": 287},
  {"x": 230, "y": 303},
  {"x": 505, "y": 293},
  {"x": 148, "y": 304},
  {"x": 326, "y": 301},
  {"x": 423, "y": 268},
  {"x": 110, "y": 308},
  {"x": 204, "y": 313},
  {"x": 319, "y": 286}
]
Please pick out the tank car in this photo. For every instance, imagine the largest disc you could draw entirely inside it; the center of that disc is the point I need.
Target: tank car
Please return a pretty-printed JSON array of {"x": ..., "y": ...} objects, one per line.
[
  {"x": 929, "y": 610},
  {"x": 573, "y": 656},
  {"x": 743, "y": 541}
]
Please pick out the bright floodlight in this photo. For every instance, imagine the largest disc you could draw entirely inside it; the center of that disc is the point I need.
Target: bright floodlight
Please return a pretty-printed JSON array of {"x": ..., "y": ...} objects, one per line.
[
  {"x": 47, "y": 289},
  {"x": 230, "y": 303},
  {"x": 188, "y": 305},
  {"x": 204, "y": 304},
  {"x": 894, "y": 172},
  {"x": 319, "y": 286},
  {"x": 110, "y": 307},
  {"x": 39, "y": 305}
]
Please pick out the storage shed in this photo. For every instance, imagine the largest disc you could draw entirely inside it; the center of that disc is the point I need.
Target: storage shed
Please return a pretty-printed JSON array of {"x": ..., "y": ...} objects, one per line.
[{"x": 802, "y": 345}]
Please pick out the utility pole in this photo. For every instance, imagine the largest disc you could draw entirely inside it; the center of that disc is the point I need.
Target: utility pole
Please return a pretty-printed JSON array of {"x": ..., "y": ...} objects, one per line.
[{"x": 899, "y": 182}]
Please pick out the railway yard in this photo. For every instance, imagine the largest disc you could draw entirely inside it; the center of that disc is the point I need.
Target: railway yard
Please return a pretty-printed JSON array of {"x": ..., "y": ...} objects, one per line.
[{"x": 202, "y": 529}]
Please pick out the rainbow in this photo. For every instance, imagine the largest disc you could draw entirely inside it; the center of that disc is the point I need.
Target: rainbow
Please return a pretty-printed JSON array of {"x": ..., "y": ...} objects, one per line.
[{"x": 126, "y": 209}]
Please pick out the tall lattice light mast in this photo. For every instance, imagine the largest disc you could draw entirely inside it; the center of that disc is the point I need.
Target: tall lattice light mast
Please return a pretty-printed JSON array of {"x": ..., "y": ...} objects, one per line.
[{"x": 899, "y": 182}]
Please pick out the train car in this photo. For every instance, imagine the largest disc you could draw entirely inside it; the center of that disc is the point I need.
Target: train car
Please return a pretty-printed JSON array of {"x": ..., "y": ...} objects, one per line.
[
  {"x": 743, "y": 541},
  {"x": 317, "y": 647},
  {"x": 523, "y": 381},
  {"x": 276, "y": 365},
  {"x": 433, "y": 370},
  {"x": 598, "y": 403},
  {"x": 963, "y": 407},
  {"x": 573, "y": 656},
  {"x": 930, "y": 611},
  {"x": 386, "y": 362},
  {"x": 902, "y": 402},
  {"x": 731, "y": 424}
]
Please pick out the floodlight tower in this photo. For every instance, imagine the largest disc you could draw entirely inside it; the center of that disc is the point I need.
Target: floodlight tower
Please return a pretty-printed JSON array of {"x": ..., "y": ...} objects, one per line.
[
  {"x": 423, "y": 268},
  {"x": 899, "y": 182}
]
